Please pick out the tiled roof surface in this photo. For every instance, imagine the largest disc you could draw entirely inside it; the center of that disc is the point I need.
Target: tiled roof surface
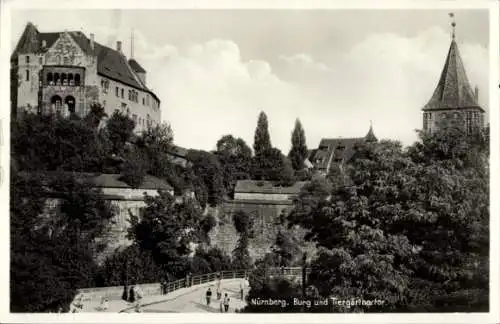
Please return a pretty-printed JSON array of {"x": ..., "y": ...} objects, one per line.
[
  {"x": 113, "y": 181},
  {"x": 453, "y": 89},
  {"x": 110, "y": 62},
  {"x": 108, "y": 180},
  {"x": 136, "y": 66},
  {"x": 335, "y": 150},
  {"x": 267, "y": 187}
]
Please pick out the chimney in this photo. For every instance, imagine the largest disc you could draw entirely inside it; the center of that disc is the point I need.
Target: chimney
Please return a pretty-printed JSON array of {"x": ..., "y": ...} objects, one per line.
[
  {"x": 476, "y": 94},
  {"x": 119, "y": 46},
  {"x": 92, "y": 41}
]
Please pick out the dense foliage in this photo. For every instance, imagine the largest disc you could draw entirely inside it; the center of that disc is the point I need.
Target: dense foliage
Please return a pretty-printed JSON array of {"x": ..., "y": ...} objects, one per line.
[
  {"x": 52, "y": 251},
  {"x": 298, "y": 152},
  {"x": 262, "y": 139},
  {"x": 410, "y": 227}
]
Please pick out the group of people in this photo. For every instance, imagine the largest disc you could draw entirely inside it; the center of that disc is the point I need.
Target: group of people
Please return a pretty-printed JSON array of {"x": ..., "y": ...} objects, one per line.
[{"x": 224, "y": 302}]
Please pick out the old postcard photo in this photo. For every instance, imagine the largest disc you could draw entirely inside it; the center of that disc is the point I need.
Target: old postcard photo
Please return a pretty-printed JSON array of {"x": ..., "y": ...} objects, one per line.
[{"x": 235, "y": 161}]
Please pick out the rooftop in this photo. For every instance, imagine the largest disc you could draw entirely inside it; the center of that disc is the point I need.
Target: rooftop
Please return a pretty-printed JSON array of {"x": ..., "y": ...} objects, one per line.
[
  {"x": 110, "y": 62},
  {"x": 453, "y": 89},
  {"x": 267, "y": 187}
]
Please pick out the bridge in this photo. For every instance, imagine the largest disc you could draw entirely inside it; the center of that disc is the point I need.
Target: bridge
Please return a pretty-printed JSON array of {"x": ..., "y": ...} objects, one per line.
[{"x": 181, "y": 296}]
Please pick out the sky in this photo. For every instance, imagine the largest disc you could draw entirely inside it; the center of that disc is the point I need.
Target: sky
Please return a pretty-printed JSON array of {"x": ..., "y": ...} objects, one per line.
[{"x": 335, "y": 70}]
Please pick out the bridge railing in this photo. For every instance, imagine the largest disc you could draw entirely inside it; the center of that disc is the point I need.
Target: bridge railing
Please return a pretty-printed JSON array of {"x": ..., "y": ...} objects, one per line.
[{"x": 115, "y": 292}]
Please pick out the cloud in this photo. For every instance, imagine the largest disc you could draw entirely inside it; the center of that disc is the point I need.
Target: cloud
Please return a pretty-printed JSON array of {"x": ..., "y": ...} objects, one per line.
[
  {"x": 304, "y": 61},
  {"x": 207, "y": 90}
]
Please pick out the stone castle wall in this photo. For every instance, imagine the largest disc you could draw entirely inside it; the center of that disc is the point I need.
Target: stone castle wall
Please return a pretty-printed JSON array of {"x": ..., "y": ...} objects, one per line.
[{"x": 267, "y": 223}]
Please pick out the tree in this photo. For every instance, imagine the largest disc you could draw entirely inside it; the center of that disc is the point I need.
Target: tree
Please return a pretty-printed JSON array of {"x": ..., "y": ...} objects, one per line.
[
  {"x": 243, "y": 223},
  {"x": 95, "y": 116},
  {"x": 53, "y": 143},
  {"x": 166, "y": 228},
  {"x": 134, "y": 169},
  {"x": 298, "y": 152},
  {"x": 207, "y": 168},
  {"x": 235, "y": 158},
  {"x": 285, "y": 248},
  {"x": 53, "y": 251},
  {"x": 217, "y": 259},
  {"x": 241, "y": 255},
  {"x": 410, "y": 227},
  {"x": 272, "y": 165},
  {"x": 262, "y": 140},
  {"x": 154, "y": 145},
  {"x": 120, "y": 129}
]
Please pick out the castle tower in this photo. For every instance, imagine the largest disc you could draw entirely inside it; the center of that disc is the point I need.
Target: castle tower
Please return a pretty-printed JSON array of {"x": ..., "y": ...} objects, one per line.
[{"x": 453, "y": 97}]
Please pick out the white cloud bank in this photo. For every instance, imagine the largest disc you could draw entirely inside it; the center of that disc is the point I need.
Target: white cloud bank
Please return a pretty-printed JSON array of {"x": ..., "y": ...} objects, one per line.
[{"x": 208, "y": 91}]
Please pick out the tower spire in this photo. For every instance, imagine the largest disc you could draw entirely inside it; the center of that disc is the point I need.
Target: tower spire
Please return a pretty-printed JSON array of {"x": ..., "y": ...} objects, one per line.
[{"x": 453, "y": 24}]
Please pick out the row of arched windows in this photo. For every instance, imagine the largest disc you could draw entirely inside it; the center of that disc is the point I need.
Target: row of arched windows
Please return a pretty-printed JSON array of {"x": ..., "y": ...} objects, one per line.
[{"x": 63, "y": 79}]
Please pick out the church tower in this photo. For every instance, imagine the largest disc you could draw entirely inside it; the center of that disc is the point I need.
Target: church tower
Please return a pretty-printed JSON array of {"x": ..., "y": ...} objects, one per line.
[{"x": 453, "y": 97}]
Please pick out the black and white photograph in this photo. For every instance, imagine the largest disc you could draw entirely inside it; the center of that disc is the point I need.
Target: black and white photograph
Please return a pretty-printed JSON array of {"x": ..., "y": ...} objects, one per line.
[{"x": 329, "y": 161}]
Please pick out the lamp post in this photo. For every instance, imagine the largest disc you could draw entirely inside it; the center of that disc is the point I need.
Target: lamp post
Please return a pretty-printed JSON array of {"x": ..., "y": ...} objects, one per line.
[{"x": 304, "y": 279}]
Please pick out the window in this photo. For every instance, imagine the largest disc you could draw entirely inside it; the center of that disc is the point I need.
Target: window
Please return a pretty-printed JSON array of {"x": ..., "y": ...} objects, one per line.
[
  {"x": 134, "y": 118},
  {"x": 143, "y": 101},
  {"x": 50, "y": 79},
  {"x": 27, "y": 75},
  {"x": 27, "y": 59},
  {"x": 116, "y": 91},
  {"x": 77, "y": 79},
  {"x": 40, "y": 60},
  {"x": 123, "y": 91}
]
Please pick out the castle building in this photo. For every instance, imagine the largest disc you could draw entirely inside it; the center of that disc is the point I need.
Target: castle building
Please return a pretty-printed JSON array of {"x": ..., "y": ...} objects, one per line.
[
  {"x": 453, "y": 98},
  {"x": 337, "y": 151},
  {"x": 65, "y": 72}
]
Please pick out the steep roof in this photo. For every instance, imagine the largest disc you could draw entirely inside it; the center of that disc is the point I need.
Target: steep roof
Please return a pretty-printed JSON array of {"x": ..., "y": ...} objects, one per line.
[
  {"x": 107, "y": 180},
  {"x": 112, "y": 180},
  {"x": 136, "y": 66},
  {"x": 370, "y": 137},
  {"x": 110, "y": 62},
  {"x": 338, "y": 150},
  {"x": 333, "y": 150},
  {"x": 267, "y": 187},
  {"x": 453, "y": 89}
]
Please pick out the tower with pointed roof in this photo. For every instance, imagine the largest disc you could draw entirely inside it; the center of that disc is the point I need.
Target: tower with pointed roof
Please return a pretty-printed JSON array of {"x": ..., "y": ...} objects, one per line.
[
  {"x": 65, "y": 72},
  {"x": 453, "y": 97}
]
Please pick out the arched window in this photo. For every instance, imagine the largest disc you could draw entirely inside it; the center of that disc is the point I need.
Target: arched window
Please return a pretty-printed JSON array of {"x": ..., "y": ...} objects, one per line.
[
  {"x": 50, "y": 78},
  {"x": 77, "y": 79},
  {"x": 71, "y": 81},
  {"x": 63, "y": 79},
  {"x": 57, "y": 79}
]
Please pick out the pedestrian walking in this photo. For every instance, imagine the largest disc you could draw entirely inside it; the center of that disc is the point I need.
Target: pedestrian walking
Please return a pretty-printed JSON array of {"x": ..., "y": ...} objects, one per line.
[
  {"x": 138, "y": 295},
  {"x": 131, "y": 295},
  {"x": 221, "y": 304},
  {"x": 226, "y": 302},
  {"x": 125, "y": 293},
  {"x": 209, "y": 296}
]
